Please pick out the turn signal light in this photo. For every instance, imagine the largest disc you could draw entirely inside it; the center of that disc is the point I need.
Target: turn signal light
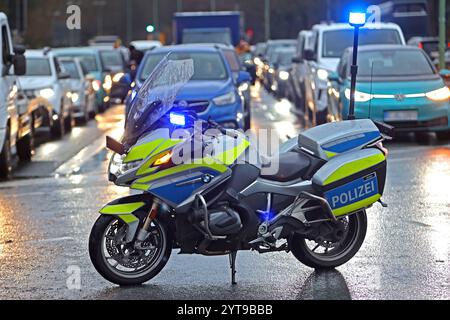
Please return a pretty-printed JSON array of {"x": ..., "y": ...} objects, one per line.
[{"x": 163, "y": 159}]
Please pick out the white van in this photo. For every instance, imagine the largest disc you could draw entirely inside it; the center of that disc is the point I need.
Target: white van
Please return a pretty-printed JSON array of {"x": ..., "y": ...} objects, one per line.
[
  {"x": 15, "y": 139},
  {"x": 328, "y": 43}
]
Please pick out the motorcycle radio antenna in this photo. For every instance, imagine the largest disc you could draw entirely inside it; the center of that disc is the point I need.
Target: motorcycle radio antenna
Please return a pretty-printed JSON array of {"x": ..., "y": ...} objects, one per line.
[{"x": 371, "y": 89}]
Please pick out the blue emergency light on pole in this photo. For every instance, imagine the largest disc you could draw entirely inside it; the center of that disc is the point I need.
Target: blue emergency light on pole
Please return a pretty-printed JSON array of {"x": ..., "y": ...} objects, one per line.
[{"x": 356, "y": 20}]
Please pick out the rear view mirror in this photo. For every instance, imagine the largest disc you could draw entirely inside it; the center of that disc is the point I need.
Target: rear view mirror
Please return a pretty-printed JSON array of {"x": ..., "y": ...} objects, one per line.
[
  {"x": 19, "y": 61},
  {"x": 333, "y": 76},
  {"x": 63, "y": 76},
  {"x": 309, "y": 54},
  {"x": 243, "y": 77},
  {"x": 297, "y": 60}
]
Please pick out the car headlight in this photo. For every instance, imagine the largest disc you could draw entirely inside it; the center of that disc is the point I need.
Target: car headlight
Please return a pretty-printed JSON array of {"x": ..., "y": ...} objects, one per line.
[
  {"x": 359, "y": 96},
  {"x": 107, "y": 84},
  {"x": 75, "y": 97},
  {"x": 46, "y": 93},
  {"x": 322, "y": 74},
  {"x": 118, "y": 167},
  {"x": 118, "y": 76},
  {"x": 96, "y": 85},
  {"x": 284, "y": 75},
  {"x": 441, "y": 94},
  {"x": 226, "y": 99}
]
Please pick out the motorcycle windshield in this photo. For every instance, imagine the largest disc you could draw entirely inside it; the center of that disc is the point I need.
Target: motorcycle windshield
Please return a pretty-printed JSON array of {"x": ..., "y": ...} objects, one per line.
[{"x": 156, "y": 96}]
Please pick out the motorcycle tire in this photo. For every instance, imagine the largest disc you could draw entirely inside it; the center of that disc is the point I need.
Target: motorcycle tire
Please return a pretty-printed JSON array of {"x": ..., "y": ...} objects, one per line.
[
  {"x": 100, "y": 263},
  {"x": 348, "y": 247}
]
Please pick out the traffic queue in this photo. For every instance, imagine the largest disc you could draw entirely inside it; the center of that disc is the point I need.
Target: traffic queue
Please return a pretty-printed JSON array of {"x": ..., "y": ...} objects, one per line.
[{"x": 398, "y": 82}]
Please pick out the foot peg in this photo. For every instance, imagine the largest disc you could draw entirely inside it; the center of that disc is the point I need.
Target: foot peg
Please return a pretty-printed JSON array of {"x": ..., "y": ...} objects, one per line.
[{"x": 384, "y": 205}]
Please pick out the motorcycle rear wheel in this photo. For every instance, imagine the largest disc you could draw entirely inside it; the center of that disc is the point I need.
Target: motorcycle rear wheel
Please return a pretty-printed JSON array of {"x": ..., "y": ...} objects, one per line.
[
  {"x": 127, "y": 266},
  {"x": 334, "y": 254}
]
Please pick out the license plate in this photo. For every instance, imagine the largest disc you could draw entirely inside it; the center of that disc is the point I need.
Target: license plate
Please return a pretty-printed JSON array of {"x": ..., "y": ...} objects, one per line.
[{"x": 406, "y": 115}]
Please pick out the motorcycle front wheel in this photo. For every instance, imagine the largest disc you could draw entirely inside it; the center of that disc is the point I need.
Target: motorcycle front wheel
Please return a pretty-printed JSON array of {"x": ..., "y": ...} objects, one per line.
[
  {"x": 328, "y": 255},
  {"x": 121, "y": 263}
]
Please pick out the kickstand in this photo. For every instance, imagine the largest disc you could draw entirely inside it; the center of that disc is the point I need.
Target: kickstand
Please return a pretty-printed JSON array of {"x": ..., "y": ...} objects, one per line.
[{"x": 232, "y": 257}]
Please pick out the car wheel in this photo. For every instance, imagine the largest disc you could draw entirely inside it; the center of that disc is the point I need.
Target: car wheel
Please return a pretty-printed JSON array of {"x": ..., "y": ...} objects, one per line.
[
  {"x": 57, "y": 127},
  {"x": 5, "y": 158},
  {"x": 443, "y": 135},
  {"x": 69, "y": 122},
  {"x": 25, "y": 147}
]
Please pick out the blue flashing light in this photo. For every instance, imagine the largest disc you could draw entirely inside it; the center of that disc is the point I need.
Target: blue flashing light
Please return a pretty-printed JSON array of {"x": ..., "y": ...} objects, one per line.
[
  {"x": 177, "y": 119},
  {"x": 357, "y": 19}
]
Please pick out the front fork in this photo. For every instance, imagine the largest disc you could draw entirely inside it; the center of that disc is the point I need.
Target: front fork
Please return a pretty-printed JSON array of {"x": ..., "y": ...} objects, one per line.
[
  {"x": 145, "y": 231},
  {"x": 125, "y": 209}
]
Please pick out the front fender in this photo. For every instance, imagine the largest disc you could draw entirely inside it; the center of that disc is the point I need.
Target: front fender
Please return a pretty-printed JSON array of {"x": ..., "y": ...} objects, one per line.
[{"x": 125, "y": 209}]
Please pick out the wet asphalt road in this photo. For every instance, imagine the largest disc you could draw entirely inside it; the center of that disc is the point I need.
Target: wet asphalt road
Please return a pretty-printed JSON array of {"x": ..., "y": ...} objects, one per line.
[{"x": 46, "y": 214}]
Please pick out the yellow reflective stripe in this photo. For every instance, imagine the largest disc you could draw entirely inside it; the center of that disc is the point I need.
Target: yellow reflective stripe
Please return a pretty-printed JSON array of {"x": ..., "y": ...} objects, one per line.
[
  {"x": 126, "y": 208},
  {"x": 142, "y": 151},
  {"x": 166, "y": 145},
  {"x": 330, "y": 154},
  {"x": 357, "y": 205},
  {"x": 128, "y": 218},
  {"x": 354, "y": 167},
  {"x": 203, "y": 163},
  {"x": 138, "y": 186},
  {"x": 230, "y": 156}
]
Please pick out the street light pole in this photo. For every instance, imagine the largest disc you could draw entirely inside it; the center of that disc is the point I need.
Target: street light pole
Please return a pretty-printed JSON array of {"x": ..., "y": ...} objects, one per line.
[
  {"x": 442, "y": 34},
  {"x": 267, "y": 18},
  {"x": 357, "y": 20},
  {"x": 354, "y": 73}
]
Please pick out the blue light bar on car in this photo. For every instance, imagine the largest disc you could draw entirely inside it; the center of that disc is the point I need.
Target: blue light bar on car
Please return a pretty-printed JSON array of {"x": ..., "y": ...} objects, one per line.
[{"x": 357, "y": 19}]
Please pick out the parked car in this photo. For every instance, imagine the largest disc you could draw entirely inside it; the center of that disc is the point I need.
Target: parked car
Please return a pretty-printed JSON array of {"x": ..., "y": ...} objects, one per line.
[
  {"x": 299, "y": 71},
  {"x": 15, "y": 137},
  {"x": 45, "y": 79},
  {"x": 282, "y": 68},
  {"x": 211, "y": 93},
  {"x": 82, "y": 93},
  {"x": 91, "y": 59},
  {"x": 269, "y": 59},
  {"x": 114, "y": 64},
  {"x": 328, "y": 43},
  {"x": 397, "y": 85},
  {"x": 237, "y": 67}
]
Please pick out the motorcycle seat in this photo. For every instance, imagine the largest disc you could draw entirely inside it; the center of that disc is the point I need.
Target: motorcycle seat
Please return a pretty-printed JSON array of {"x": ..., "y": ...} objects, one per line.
[{"x": 292, "y": 166}]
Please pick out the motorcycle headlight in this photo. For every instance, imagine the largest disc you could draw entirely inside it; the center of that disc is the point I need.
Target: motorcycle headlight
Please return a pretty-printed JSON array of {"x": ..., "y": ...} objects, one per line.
[
  {"x": 441, "y": 94},
  {"x": 46, "y": 93},
  {"x": 226, "y": 99},
  {"x": 284, "y": 75},
  {"x": 118, "y": 167},
  {"x": 322, "y": 74},
  {"x": 359, "y": 96}
]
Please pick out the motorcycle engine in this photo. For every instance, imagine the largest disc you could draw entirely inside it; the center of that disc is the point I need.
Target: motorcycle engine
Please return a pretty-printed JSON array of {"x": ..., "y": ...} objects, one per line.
[{"x": 224, "y": 221}]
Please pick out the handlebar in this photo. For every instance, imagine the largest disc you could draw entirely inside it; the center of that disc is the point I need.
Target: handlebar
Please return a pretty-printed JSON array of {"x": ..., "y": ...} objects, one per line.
[{"x": 222, "y": 129}]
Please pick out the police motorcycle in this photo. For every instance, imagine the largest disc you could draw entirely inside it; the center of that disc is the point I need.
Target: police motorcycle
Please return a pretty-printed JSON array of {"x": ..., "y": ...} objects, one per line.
[{"x": 210, "y": 200}]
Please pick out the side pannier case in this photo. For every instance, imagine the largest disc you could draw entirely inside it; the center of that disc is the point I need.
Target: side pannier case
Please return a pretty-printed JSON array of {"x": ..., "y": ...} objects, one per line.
[{"x": 352, "y": 181}]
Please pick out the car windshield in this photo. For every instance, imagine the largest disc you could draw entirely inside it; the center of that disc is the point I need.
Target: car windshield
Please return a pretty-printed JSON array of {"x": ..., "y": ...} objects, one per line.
[
  {"x": 393, "y": 63},
  {"x": 208, "y": 65},
  {"x": 38, "y": 67},
  {"x": 156, "y": 96},
  {"x": 271, "y": 48},
  {"x": 88, "y": 61},
  {"x": 71, "y": 68},
  {"x": 111, "y": 59},
  {"x": 284, "y": 57},
  {"x": 336, "y": 41}
]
